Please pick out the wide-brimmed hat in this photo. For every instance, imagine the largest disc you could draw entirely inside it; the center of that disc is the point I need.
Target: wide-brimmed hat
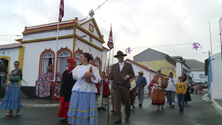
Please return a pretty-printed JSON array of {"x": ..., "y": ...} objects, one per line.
[
  {"x": 120, "y": 53},
  {"x": 140, "y": 72},
  {"x": 180, "y": 77}
]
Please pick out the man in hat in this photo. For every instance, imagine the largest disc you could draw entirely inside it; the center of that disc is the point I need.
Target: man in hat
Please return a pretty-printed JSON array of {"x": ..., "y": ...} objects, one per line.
[
  {"x": 121, "y": 74},
  {"x": 140, "y": 84}
]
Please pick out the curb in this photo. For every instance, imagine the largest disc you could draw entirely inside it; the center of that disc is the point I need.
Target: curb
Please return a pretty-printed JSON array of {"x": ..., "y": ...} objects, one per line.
[
  {"x": 217, "y": 105},
  {"x": 40, "y": 105}
]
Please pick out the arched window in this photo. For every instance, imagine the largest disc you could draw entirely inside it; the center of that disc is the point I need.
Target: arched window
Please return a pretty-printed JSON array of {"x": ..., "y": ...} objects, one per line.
[
  {"x": 98, "y": 64},
  {"x": 62, "y": 55},
  {"x": 77, "y": 56},
  {"x": 47, "y": 59}
]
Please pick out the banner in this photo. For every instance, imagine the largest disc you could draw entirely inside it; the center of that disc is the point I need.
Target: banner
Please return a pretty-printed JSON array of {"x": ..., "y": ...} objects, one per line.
[
  {"x": 110, "y": 40},
  {"x": 61, "y": 10}
]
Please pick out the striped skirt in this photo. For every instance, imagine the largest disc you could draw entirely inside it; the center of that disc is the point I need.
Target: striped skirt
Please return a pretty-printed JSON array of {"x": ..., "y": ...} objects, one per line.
[
  {"x": 11, "y": 100},
  {"x": 82, "y": 109}
]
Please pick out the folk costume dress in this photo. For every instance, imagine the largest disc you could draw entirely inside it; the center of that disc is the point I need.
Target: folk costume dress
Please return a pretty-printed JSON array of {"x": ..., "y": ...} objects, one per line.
[
  {"x": 102, "y": 88},
  {"x": 11, "y": 100},
  {"x": 66, "y": 90},
  {"x": 187, "y": 95},
  {"x": 158, "y": 92},
  {"x": 82, "y": 107}
]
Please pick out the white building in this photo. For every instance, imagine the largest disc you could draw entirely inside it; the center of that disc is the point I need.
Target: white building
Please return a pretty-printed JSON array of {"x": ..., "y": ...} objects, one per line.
[
  {"x": 39, "y": 48},
  {"x": 148, "y": 72},
  {"x": 181, "y": 67},
  {"x": 214, "y": 72},
  {"x": 198, "y": 75}
]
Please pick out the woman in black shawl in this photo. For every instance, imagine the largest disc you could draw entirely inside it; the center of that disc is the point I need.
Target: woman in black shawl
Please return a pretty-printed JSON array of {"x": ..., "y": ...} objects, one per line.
[{"x": 187, "y": 95}]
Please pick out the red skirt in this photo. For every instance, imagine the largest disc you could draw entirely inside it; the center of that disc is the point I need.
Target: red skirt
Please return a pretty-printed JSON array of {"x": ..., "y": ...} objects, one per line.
[{"x": 158, "y": 97}]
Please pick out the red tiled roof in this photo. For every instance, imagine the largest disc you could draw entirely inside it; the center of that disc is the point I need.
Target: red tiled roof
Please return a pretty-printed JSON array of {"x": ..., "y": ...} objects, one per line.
[{"x": 13, "y": 45}]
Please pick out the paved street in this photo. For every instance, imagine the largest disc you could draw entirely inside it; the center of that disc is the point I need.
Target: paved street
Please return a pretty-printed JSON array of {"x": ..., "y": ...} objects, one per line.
[{"x": 196, "y": 112}]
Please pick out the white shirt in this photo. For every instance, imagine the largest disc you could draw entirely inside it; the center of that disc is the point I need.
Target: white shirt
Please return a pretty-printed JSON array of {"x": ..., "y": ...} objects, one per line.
[
  {"x": 171, "y": 85},
  {"x": 121, "y": 66},
  {"x": 81, "y": 85}
]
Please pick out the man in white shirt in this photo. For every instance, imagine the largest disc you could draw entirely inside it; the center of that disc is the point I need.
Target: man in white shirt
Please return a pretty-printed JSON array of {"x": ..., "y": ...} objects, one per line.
[{"x": 171, "y": 90}]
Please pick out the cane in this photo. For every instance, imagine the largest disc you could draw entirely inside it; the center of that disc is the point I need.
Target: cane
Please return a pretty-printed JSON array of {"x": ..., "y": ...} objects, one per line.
[{"x": 102, "y": 94}]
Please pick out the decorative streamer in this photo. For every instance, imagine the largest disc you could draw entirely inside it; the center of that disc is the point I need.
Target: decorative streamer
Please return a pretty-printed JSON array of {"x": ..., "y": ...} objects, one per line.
[{"x": 128, "y": 50}]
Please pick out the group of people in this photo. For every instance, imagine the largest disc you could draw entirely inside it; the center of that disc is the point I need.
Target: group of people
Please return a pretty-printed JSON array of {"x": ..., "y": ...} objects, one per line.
[
  {"x": 78, "y": 101},
  {"x": 172, "y": 86},
  {"x": 197, "y": 87}
]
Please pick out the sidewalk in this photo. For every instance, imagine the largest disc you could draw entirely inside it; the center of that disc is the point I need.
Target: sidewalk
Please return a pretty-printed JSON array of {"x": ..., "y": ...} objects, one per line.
[
  {"x": 37, "y": 102},
  {"x": 217, "y": 103}
]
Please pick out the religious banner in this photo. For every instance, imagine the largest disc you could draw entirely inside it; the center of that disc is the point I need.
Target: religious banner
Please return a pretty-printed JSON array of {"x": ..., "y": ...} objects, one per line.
[
  {"x": 110, "y": 40},
  {"x": 61, "y": 10}
]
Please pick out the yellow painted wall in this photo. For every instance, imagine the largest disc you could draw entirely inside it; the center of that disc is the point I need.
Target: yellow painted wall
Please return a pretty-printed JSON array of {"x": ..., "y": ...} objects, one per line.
[{"x": 159, "y": 65}]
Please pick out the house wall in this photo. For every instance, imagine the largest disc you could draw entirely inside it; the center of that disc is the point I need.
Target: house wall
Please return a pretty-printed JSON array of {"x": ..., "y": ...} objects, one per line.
[
  {"x": 32, "y": 57},
  {"x": 48, "y": 34},
  {"x": 198, "y": 76},
  {"x": 179, "y": 69},
  {"x": 216, "y": 84},
  {"x": 12, "y": 53},
  {"x": 147, "y": 74},
  {"x": 162, "y": 65}
]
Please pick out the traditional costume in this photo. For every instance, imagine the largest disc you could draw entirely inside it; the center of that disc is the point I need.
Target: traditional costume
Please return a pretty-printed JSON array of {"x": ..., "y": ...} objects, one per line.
[
  {"x": 103, "y": 90},
  {"x": 82, "y": 108},
  {"x": 187, "y": 95},
  {"x": 158, "y": 93},
  {"x": 66, "y": 89},
  {"x": 11, "y": 100}
]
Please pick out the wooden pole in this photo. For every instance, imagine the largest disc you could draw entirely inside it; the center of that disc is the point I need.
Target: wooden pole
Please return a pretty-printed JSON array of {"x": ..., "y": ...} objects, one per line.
[
  {"x": 102, "y": 94},
  {"x": 108, "y": 93}
]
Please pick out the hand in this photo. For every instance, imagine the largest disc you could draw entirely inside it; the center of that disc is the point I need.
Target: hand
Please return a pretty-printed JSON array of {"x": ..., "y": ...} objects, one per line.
[
  {"x": 125, "y": 78},
  {"x": 141, "y": 86},
  {"x": 171, "y": 80},
  {"x": 87, "y": 75},
  {"x": 11, "y": 74}
]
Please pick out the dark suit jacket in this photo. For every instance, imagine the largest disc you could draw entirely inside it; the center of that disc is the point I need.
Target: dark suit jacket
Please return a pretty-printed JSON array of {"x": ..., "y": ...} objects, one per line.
[{"x": 118, "y": 77}]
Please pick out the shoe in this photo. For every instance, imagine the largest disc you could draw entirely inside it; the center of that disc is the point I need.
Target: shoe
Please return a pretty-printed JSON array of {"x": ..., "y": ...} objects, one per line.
[
  {"x": 181, "y": 112},
  {"x": 17, "y": 111},
  {"x": 112, "y": 111},
  {"x": 140, "y": 105},
  {"x": 117, "y": 121},
  {"x": 158, "y": 110},
  {"x": 63, "y": 120},
  {"x": 133, "y": 106},
  {"x": 8, "y": 114},
  {"x": 172, "y": 106},
  {"x": 127, "y": 118},
  {"x": 162, "y": 109}
]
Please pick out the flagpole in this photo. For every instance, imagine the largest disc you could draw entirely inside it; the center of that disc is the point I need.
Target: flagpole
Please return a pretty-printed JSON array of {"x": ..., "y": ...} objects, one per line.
[
  {"x": 108, "y": 90},
  {"x": 113, "y": 49},
  {"x": 61, "y": 11}
]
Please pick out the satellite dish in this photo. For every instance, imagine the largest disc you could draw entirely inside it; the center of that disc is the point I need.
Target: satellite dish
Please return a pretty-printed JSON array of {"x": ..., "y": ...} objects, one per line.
[{"x": 91, "y": 13}]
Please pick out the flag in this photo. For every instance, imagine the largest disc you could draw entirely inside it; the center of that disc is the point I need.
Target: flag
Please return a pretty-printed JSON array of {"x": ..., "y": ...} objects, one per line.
[
  {"x": 61, "y": 10},
  {"x": 110, "y": 40}
]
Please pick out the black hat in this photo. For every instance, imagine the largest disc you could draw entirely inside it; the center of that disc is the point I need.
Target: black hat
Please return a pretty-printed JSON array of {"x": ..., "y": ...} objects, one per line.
[{"x": 120, "y": 53}]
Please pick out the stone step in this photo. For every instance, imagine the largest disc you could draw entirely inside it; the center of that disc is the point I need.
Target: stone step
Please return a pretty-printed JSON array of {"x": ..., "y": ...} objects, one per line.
[{"x": 23, "y": 95}]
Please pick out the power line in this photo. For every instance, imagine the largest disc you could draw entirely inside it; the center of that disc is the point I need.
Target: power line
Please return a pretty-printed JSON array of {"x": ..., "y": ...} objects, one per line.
[
  {"x": 11, "y": 35},
  {"x": 163, "y": 46},
  {"x": 148, "y": 21},
  {"x": 203, "y": 24}
]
